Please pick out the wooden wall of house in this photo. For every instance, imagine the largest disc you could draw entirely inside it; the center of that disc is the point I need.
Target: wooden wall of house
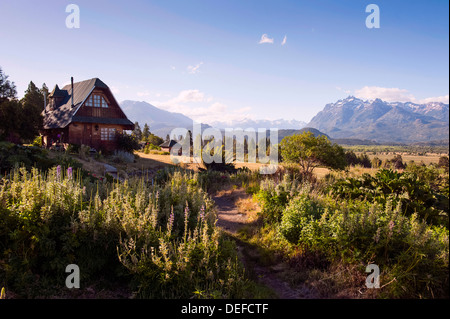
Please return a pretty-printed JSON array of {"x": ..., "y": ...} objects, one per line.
[
  {"x": 90, "y": 134},
  {"x": 113, "y": 111}
]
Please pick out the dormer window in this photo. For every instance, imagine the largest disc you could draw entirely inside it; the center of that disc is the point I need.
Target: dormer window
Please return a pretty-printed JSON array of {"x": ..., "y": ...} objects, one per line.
[{"x": 96, "y": 100}]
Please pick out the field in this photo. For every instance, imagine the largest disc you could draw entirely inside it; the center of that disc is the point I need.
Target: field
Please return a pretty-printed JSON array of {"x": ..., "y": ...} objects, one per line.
[{"x": 177, "y": 231}]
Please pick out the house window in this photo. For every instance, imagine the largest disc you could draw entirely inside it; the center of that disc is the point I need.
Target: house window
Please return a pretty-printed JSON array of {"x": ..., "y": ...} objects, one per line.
[
  {"x": 104, "y": 104},
  {"x": 89, "y": 101},
  {"x": 107, "y": 134},
  {"x": 96, "y": 101}
]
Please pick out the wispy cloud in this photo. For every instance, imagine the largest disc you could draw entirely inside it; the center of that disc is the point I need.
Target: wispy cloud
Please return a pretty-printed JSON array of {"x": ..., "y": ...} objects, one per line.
[
  {"x": 265, "y": 39},
  {"x": 284, "y": 40},
  {"x": 115, "y": 90},
  {"x": 202, "y": 108},
  {"x": 188, "y": 96},
  {"x": 395, "y": 95},
  {"x": 193, "y": 69},
  {"x": 443, "y": 99},
  {"x": 143, "y": 93},
  {"x": 386, "y": 94}
]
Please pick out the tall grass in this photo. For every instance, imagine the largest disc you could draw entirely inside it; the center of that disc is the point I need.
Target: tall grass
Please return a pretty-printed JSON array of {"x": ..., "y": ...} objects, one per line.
[{"x": 160, "y": 237}]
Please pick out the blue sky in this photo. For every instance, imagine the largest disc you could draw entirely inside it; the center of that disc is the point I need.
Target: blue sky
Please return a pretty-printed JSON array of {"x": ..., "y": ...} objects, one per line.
[{"x": 204, "y": 58}]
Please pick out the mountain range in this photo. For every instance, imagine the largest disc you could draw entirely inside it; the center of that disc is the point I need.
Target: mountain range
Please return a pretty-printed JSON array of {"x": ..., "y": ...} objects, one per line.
[
  {"x": 383, "y": 121},
  {"x": 161, "y": 122},
  {"x": 352, "y": 118}
]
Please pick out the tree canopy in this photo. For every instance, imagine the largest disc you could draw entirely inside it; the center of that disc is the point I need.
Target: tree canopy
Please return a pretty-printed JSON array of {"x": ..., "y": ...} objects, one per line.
[
  {"x": 311, "y": 151},
  {"x": 20, "y": 121}
]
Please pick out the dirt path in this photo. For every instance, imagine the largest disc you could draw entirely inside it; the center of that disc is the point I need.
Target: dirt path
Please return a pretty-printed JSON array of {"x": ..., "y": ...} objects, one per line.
[{"x": 230, "y": 219}]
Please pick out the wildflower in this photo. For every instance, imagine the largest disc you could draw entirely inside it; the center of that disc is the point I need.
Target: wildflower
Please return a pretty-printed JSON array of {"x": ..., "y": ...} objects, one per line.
[
  {"x": 391, "y": 226},
  {"x": 170, "y": 223},
  {"x": 69, "y": 172},
  {"x": 377, "y": 236},
  {"x": 202, "y": 213},
  {"x": 58, "y": 171}
]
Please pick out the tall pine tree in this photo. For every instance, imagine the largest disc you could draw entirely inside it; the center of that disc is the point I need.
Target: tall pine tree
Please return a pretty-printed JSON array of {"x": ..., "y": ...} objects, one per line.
[
  {"x": 145, "y": 132},
  {"x": 33, "y": 105}
]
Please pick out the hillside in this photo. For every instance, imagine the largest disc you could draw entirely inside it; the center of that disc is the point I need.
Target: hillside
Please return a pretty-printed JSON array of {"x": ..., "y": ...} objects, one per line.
[{"x": 161, "y": 122}]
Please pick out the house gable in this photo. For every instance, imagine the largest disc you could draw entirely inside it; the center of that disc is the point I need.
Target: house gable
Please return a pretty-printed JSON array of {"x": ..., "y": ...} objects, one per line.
[{"x": 64, "y": 112}]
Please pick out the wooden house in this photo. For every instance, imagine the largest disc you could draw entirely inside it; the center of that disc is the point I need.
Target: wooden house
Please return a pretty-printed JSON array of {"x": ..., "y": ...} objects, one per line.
[
  {"x": 167, "y": 145},
  {"x": 84, "y": 113}
]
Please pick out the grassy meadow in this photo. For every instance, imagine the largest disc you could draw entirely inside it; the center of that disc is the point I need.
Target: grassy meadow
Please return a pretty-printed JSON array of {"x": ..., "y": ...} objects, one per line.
[{"x": 155, "y": 235}]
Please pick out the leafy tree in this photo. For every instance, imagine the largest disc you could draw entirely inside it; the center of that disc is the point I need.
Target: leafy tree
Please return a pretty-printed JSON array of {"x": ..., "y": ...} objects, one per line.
[
  {"x": 10, "y": 119},
  {"x": 311, "y": 151},
  {"x": 155, "y": 140},
  {"x": 7, "y": 88},
  {"x": 10, "y": 109}
]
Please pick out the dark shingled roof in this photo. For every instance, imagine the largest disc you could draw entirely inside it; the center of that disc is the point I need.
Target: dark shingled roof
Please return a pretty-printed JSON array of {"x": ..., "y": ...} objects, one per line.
[
  {"x": 63, "y": 115},
  {"x": 170, "y": 143},
  {"x": 57, "y": 92}
]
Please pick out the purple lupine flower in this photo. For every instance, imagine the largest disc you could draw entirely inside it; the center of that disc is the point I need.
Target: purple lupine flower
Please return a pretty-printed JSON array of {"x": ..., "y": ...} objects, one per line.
[
  {"x": 202, "y": 213},
  {"x": 69, "y": 172},
  {"x": 171, "y": 220},
  {"x": 58, "y": 171},
  {"x": 186, "y": 213},
  {"x": 391, "y": 226}
]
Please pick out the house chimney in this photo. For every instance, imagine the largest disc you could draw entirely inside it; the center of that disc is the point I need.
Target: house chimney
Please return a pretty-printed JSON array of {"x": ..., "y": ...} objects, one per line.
[{"x": 71, "y": 81}]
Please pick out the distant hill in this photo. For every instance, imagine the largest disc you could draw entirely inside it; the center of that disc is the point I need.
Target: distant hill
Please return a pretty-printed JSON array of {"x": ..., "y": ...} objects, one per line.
[
  {"x": 161, "y": 122},
  {"x": 382, "y": 121},
  {"x": 283, "y": 133},
  {"x": 249, "y": 123}
]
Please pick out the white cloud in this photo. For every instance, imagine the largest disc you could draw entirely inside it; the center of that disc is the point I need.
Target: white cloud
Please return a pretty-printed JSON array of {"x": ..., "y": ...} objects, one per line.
[
  {"x": 394, "y": 95},
  {"x": 193, "y": 69},
  {"x": 341, "y": 89},
  {"x": 143, "y": 93},
  {"x": 172, "y": 67},
  {"x": 284, "y": 40},
  {"x": 386, "y": 94},
  {"x": 188, "y": 96},
  {"x": 115, "y": 90},
  {"x": 202, "y": 108},
  {"x": 265, "y": 39},
  {"x": 443, "y": 99}
]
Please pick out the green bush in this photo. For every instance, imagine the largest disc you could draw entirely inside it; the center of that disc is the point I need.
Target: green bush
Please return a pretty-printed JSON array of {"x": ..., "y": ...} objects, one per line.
[
  {"x": 300, "y": 211},
  {"x": 410, "y": 189},
  {"x": 404, "y": 247},
  {"x": 273, "y": 197}
]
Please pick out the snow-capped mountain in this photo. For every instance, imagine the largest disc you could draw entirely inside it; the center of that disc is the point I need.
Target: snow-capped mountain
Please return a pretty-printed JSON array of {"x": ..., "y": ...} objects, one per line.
[{"x": 383, "y": 121}]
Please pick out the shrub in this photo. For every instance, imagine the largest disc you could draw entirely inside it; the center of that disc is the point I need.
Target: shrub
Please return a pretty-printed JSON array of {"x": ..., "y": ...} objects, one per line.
[
  {"x": 126, "y": 143},
  {"x": 122, "y": 157},
  {"x": 404, "y": 247},
  {"x": 414, "y": 194},
  {"x": 298, "y": 214},
  {"x": 273, "y": 197}
]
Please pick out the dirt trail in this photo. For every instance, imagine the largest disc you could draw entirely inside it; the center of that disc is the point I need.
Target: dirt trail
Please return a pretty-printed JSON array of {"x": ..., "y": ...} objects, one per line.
[{"x": 230, "y": 219}]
